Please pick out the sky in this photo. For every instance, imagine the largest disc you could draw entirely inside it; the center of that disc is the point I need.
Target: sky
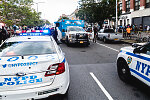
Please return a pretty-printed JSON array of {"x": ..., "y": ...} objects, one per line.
[{"x": 53, "y": 9}]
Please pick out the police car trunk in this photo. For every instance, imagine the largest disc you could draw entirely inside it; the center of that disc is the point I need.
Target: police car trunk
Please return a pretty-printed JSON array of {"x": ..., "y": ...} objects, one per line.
[{"x": 20, "y": 70}]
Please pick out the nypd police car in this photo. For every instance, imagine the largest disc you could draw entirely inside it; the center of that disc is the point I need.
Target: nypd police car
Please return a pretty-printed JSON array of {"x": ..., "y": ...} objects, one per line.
[
  {"x": 32, "y": 67},
  {"x": 134, "y": 61}
]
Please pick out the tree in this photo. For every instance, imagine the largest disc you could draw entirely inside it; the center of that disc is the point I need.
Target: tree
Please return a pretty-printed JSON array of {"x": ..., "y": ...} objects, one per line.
[
  {"x": 62, "y": 18},
  {"x": 96, "y": 12},
  {"x": 19, "y": 12}
]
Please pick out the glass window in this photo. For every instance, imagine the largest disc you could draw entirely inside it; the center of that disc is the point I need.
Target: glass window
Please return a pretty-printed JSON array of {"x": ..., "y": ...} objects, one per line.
[
  {"x": 120, "y": 7},
  {"x": 137, "y": 5},
  {"x": 75, "y": 29},
  {"x": 128, "y": 6},
  {"x": 147, "y": 4},
  {"x": 26, "y": 48},
  {"x": 109, "y": 31}
]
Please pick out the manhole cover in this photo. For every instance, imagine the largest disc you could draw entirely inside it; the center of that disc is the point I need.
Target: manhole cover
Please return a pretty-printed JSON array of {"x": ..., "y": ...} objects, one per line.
[{"x": 83, "y": 51}]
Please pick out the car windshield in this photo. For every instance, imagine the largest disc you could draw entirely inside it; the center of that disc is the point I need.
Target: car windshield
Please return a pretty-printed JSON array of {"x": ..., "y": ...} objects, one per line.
[
  {"x": 75, "y": 29},
  {"x": 26, "y": 48},
  {"x": 109, "y": 31}
]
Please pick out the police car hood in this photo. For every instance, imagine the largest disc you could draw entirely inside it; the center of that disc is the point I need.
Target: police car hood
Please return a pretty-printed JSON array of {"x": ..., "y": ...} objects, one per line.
[
  {"x": 26, "y": 72},
  {"x": 26, "y": 64},
  {"x": 128, "y": 49}
]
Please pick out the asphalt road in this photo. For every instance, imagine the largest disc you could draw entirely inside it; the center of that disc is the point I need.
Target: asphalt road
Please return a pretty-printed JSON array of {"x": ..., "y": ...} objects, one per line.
[{"x": 94, "y": 76}]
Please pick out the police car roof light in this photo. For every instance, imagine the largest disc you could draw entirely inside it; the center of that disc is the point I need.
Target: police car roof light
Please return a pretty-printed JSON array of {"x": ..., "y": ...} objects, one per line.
[{"x": 37, "y": 33}]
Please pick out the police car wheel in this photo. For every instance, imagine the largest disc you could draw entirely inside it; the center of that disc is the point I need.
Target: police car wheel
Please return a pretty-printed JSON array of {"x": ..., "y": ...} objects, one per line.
[
  {"x": 123, "y": 71},
  {"x": 65, "y": 96}
]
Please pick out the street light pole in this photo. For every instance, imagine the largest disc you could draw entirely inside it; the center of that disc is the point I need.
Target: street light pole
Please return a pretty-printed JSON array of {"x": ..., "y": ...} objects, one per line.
[
  {"x": 116, "y": 16},
  {"x": 37, "y": 5}
]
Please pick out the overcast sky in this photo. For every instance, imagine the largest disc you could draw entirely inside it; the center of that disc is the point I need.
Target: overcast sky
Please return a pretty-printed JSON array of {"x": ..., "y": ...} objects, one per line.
[{"x": 53, "y": 9}]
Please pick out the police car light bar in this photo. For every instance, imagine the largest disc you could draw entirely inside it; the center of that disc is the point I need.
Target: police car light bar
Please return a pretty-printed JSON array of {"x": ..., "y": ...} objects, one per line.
[{"x": 39, "y": 33}]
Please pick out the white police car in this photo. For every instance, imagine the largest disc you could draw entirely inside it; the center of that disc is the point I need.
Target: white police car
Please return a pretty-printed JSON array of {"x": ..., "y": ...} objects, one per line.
[
  {"x": 32, "y": 67},
  {"x": 134, "y": 61}
]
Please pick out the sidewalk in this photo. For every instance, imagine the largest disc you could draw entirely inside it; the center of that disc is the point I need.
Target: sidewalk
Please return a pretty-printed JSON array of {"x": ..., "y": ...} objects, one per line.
[
  {"x": 129, "y": 41},
  {"x": 135, "y": 38}
]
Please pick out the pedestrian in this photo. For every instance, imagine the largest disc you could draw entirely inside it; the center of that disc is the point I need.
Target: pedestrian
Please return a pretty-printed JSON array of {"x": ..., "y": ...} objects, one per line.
[
  {"x": 136, "y": 30},
  {"x": 55, "y": 34},
  {"x": 124, "y": 32},
  {"x": 1, "y": 36},
  {"x": 129, "y": 32},
  {"x": 95, "y": 34},
  {"x": 140, "y": 30}
]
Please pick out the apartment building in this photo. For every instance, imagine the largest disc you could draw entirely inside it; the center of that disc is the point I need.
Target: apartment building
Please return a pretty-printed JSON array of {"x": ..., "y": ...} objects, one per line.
[{"x": 135, "y": 12}]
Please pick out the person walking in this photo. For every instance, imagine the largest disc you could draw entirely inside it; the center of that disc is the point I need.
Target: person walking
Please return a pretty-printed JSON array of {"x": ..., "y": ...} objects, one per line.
[{"x": 95, "y": 34}]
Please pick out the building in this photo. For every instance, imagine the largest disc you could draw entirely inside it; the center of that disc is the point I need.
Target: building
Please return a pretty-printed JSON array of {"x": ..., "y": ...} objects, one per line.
[
  {"x": 72, "y": 16},
  {"x": 89, "y": 1},
  {"x": 135, "y": 12}
]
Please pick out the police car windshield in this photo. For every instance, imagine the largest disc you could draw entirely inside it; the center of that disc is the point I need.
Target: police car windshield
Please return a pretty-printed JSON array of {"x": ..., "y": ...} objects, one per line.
[
  {"x": 27, "y": 48},
  {"x": 75, "y": 29}
]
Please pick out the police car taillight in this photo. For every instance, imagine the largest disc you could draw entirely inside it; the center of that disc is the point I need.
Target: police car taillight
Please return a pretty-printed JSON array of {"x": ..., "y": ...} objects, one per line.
[{"x": 55, "y": 69}]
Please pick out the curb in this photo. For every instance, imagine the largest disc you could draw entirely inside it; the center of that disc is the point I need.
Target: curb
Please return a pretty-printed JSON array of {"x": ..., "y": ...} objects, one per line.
[{"x": 127, "y": 42}]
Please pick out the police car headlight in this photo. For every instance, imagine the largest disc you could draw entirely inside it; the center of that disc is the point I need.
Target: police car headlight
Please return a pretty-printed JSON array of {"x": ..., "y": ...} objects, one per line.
[{"x": 71, "y": 35}]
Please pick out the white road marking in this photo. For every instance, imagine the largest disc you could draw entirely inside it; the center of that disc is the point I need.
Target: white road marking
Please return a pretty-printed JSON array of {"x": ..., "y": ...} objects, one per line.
[
  {"x": 107, "y": 47},
  {"x": 101, "y": 86}
]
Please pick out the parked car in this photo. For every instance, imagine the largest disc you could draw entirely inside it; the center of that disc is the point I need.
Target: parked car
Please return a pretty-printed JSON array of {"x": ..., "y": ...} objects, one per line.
[{"x": 109, "y": 35}]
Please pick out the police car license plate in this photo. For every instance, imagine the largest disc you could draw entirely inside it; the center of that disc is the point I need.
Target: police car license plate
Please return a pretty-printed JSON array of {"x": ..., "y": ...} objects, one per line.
[
  {"x": 81, "y": 41},
  {"x": 116, "y": 39}
]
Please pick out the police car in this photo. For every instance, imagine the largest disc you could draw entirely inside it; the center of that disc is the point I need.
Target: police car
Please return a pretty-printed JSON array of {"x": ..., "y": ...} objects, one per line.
[
  {"x": 134, "y": 61},
  {"x": 32, "y": 67}
]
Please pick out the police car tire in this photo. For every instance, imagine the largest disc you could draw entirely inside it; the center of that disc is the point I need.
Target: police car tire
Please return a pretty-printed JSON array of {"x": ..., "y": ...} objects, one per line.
[
  {"x": 65, "y": 96},
  {"x": 123, "y": 71}
]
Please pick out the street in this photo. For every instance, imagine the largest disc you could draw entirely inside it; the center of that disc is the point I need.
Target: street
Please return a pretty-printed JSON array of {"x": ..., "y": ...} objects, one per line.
[{"x": 93, "y": 74}]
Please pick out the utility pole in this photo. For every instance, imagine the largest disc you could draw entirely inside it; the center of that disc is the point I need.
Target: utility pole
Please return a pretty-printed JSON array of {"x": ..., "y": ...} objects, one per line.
[
  {"x": 38, "y": 5},
  {"x": 116, "y": 16}
]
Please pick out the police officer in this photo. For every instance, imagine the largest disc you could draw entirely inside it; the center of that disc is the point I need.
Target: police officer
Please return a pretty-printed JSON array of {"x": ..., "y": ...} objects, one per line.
[
  {"x": 4, "y": 34},
  {"x": 55, "y": 34}
]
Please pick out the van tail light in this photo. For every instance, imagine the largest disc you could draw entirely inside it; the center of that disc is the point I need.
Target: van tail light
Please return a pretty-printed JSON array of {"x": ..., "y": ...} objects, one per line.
[
  {"x": 108, "y": 35},
  {"x": 55, "y": 69}
]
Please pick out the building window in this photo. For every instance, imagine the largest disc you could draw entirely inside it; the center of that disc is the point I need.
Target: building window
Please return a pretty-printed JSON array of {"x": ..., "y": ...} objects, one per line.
[
  {"x": 128, "y": 6},
  {"x": 120, "y": 7},
  {"x": 137, "y": 5},
  {"x": 147, "y": 4}
]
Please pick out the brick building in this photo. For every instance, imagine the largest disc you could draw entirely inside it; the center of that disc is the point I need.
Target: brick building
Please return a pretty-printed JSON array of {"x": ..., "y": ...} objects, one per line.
[{"x": 134, "y": 12}]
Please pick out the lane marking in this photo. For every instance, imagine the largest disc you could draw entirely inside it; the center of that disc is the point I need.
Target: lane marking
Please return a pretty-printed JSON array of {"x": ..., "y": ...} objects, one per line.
[
  {"x": 107, "y": 47},
  {"x": 101, "y": 86}
]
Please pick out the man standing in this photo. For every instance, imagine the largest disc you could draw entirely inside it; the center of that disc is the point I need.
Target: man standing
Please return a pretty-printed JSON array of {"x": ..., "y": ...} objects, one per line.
[
  {"x": 95, "y": 34},
  {"x": 128, "y": 31}
]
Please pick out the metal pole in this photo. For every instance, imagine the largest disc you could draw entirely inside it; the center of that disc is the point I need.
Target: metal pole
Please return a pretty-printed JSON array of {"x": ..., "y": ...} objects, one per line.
[
  {"x": 116, "y": 16},
  {"x": 37, "y": 8}
]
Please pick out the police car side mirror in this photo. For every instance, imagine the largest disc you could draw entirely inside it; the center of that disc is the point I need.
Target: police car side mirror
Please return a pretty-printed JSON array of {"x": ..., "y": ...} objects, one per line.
[
  {"x": 136, "y": 50},
  {"x": 63, "y": 53},
  {"x": 139, "y": 50}
]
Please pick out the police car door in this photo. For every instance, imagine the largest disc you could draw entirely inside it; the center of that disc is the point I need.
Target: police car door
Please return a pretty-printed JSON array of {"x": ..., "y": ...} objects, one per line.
[{"x": 142, "y": 64}]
